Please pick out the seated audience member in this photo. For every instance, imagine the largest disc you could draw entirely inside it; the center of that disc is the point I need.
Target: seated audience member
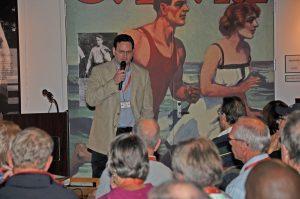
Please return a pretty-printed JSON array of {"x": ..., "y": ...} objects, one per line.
[
  {"x": 30, "y": 158},
  {"x": 275, "y": 122},
  {"x": 250, "y": 140},
  {"x": 148, "y": 131},
  {"x": 273, "y": 179},
  {"x": 231, "y": 109},
  {"x": 128, "y": 166},
  {"x": 177, "y": 190},
  {"x": 8, "y": 131},
  {"x": 198, "y": 161},
  {"x": 290, "y": 141}
]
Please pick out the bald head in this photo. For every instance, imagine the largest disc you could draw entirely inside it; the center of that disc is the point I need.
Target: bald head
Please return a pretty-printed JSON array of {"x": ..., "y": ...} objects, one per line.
[
  {"x": 177, "y": 190},
  {"x": 148, "y": 131},
  {"x": 273, "y": 179}
]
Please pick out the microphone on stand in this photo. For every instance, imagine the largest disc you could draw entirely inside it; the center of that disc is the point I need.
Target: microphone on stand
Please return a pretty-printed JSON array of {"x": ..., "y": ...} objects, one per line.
[
  {"x": 50, "y": 98},
  {"x": 48, "y": 94},
  {"x": 122, "y": 67}
]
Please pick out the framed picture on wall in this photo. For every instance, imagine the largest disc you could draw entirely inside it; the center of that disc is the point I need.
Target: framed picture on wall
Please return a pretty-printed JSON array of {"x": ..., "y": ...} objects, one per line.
[
  {"x": 292, "y": 63},
  {"x": 9, "y": 58}
]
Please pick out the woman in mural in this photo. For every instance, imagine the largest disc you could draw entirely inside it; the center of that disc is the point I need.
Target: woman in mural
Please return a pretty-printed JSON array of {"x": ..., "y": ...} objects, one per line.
[{"x": 226, "y": 69}]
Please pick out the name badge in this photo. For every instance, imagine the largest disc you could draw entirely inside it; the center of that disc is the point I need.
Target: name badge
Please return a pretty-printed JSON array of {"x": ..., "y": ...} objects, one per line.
[{"x": 125, "y": 104}]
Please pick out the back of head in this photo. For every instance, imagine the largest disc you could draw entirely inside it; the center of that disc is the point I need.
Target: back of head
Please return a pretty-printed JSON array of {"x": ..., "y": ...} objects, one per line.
[
  {"x": 148, "y": 131},
  {"x": 254, "y": 132},
  {"x": 270, "y": 115},
  {"x": 128, "y": 157},
  {"x": 290, "y": 137},
  {"x": 177, "y": 190},
  {"x": 31, "y": 148},
  {"x": 197, "y": 161},
  {"x": 235, "y": 16},
  {"x": 8, "y": 131},
  {"x": 233, "y": 107},
  {"x": 273, "y": 179}
]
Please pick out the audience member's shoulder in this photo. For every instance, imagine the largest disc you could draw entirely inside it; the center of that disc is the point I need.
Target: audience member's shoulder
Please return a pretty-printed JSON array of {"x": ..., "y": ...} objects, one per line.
[
  {"x": 159, "y": 165},
  {"x": 63, "y": 192}
]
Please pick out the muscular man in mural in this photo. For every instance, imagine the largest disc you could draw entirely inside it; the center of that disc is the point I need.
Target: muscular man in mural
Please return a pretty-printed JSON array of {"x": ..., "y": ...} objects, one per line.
[{"x": 158, "y": 50}]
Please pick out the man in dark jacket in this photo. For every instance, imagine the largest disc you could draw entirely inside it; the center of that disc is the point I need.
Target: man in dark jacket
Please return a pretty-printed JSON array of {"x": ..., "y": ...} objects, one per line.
[{"x": 30, "y": 157}]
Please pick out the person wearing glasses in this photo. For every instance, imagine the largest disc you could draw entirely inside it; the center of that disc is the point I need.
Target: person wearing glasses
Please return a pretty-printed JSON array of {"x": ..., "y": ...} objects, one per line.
[
  {"x": 120, "y": 98},
  {"x": 231, "y": 110},
  {"x": 250, "y": 140}
]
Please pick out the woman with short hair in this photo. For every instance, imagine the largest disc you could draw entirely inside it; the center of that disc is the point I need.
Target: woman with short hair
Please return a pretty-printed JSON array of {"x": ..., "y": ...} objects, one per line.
[{"x": 128, "y": 166}]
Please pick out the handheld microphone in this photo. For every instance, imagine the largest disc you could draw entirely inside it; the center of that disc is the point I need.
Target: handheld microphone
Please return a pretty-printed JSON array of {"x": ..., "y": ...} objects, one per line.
[{"x": 122, "y": 67}]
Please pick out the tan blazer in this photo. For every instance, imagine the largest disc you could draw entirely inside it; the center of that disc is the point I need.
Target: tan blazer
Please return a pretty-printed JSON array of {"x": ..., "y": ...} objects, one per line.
[{"x": 102, "y": 92}]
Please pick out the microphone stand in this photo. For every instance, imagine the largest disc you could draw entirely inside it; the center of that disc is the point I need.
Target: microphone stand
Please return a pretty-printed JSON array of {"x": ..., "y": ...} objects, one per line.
[
  {"x": 56, "y": 105},
  {"x": 52, "y": 100}
]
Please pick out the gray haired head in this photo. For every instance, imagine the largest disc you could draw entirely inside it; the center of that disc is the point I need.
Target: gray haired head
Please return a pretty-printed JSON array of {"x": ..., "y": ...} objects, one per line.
[
  {"x": 31, "y": 148},
  {"x": 128, "y": 157},
  {"x": 290, "y": 136}
]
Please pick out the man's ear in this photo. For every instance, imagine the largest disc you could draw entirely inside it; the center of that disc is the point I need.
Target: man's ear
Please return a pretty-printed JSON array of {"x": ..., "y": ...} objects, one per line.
[
  {"x": 9, "y": 159},
  {"x": 163, "y": 8},
  {"x": 114, "y": 51},
  {"x": 157, "y": 144},
  {"x": 285, "y": 157},
  {"x": 178, "y": 176},
  {"x": 48, "y": 163}
]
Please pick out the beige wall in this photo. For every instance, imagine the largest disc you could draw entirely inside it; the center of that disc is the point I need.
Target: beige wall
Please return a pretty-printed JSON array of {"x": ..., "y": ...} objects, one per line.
[
  {"x": 287, "y": 42},
  {"x": 42, "y": 54}
]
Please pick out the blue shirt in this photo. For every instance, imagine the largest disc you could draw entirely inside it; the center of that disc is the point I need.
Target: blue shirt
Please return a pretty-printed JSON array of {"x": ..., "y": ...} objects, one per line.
[
  {"x": 236, "y": 188},
  {"x": 126, "y": 115}
]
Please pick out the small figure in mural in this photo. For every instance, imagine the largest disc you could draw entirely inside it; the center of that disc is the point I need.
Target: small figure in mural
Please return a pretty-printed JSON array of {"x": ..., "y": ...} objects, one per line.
[
  {"x": 5, "y": 66},
  {"x": 98, "y": 55},
  {"x": 226, "y": 69},
  {"x": 80, "y": 54},
  {"x": 5, "y": 56},
  {"x": 162, "y": 54},
  {"x": 121, "y": 97}
]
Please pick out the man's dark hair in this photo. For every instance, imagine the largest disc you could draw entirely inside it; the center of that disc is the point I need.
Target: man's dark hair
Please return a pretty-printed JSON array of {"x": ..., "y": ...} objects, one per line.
[
  {"x": 123, "y": 38},
  {"x": 156, "y": 4},
  {"x": 233, "y": 107},
  {"x": 99, "y": 36}
]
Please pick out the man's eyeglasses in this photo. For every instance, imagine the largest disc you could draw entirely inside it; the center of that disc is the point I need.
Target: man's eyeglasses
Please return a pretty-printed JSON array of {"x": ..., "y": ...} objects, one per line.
[{"x": 121, "y": 52}]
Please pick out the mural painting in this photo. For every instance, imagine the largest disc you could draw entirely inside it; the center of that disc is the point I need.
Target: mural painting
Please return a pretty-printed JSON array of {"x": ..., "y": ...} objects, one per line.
[{"x": 196, "y": 52}]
